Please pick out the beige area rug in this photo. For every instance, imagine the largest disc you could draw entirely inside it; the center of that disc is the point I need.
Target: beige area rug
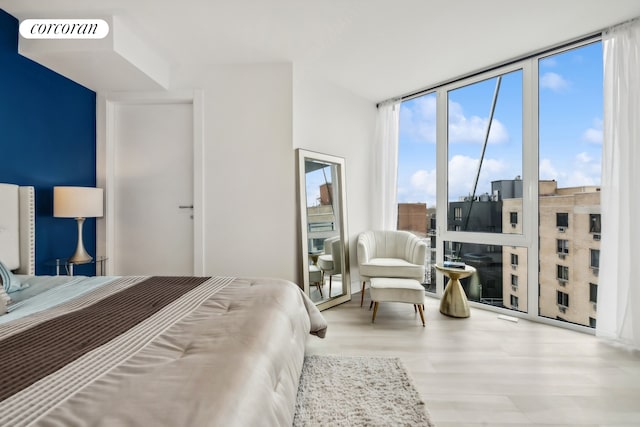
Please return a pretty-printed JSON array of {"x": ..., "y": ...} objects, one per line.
[{"x": 358, "y": 391}]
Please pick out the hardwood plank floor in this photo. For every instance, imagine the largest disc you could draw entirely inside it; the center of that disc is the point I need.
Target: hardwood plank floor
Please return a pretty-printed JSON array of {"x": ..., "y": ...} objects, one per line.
[{"x": 485, "y": 371}]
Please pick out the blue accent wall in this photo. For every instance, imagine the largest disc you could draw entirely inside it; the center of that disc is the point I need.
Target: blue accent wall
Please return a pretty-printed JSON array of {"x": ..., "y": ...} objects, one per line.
[{"x": 47, "y": 138}]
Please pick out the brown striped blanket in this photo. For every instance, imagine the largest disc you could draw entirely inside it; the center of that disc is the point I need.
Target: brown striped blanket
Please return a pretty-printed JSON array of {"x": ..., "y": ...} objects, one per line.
[{"x": 161, "y": 351}]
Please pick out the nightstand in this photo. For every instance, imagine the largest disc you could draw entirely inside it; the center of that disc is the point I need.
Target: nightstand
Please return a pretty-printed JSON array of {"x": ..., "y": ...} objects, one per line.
[{"x": 59, "y": 263}]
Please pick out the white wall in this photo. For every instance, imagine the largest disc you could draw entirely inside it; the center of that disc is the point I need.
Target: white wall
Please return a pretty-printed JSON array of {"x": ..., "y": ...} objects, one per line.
[
  {"x": 254, "y": 118},
  {"x": 249, "y": 172},
  {"x": 249, "y": 190},
  {"x": 331, "y": 120}
]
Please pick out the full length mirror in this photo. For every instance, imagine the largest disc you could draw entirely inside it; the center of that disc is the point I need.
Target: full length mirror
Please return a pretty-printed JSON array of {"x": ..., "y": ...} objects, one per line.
[{"x": 324, "y": 237}]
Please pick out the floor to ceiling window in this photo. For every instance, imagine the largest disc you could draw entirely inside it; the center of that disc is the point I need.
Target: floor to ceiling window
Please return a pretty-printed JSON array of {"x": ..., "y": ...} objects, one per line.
[
  {"x": 517, "y": 155},
  {"x": 570, "y": 155},
  {"x": 417, "y": 175}
]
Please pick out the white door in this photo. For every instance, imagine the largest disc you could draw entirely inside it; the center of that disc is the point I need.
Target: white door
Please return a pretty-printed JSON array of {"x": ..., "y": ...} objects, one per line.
[{"x": 153, "y": 189}]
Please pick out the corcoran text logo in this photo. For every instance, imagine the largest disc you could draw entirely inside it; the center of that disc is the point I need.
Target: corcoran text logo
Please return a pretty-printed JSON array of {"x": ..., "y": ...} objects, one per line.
[{"x": 64, "y": 28}]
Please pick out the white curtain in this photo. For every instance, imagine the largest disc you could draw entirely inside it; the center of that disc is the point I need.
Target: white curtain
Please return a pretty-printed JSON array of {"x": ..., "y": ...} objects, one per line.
[
  {"x": 619, "y": 281},
  {"x": 385, "y": 170}
]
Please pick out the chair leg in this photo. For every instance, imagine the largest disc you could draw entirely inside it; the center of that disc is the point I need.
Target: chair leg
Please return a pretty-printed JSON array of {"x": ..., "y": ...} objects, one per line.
[
  {"x": 415, "y": 308},
  {"x": 319, "y": 285},
  {"x": 370, "y": 305},
  {"x": 362, "y": 294},
  {"x": 330, "y": 285},
  {"x": 375, "y": 310},
  {"x": 421, "y": 313}
]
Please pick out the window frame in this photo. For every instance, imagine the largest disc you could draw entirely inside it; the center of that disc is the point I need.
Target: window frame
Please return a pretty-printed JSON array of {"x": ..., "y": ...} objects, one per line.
[
  {"x": 593, "y": 293},
  {"x": 457, "y": 213},
  {"x": 562, "y": 299},
  {"x": 514, "y": 301},
  {"x": 528, "y": 237},
  {"x": 562, "y": 272},
  {"x": 592, "y": 252},
  {"x": 562, "y": 249},
  {"x": 513, "y": 217},
  {"x": 564, "y": 223},
  {"x": 595, "y": 223}
]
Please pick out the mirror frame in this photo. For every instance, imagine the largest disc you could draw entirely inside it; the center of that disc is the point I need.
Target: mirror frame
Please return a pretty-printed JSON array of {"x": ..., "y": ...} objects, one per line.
[{"x": 302, "y": 156}]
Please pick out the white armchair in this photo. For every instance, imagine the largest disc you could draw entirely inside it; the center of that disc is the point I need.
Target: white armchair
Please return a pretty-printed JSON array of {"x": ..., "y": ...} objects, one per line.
[{"x": 390, "y": 253}]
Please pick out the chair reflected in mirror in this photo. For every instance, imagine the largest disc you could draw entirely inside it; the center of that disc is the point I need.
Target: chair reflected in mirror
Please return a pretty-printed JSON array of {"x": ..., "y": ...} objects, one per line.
[
  {"x": 315, "y": 278},
  {"x": 330, "y": 263}
]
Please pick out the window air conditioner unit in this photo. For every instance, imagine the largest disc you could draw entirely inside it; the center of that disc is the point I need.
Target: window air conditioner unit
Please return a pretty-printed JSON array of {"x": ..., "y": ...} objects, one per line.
[
  {"x": 563, "y": 282},
  {"x": 562, "y": 255},
  {"x": 514, "y": 266},
  {"x": 513, "y": 224},
  {"x": 596, "y": 237},
  {"x": 595, "y": 306},
  {"x": 514, "y": 288},
  {"x": 595, "y": 270},
  {"x": 562, "y": 229},
  {"x": 562, "y": 308}
]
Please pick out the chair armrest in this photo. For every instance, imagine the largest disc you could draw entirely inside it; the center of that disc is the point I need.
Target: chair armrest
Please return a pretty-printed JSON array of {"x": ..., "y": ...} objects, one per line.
[
  {"x": 363, "y": 252},
  {"x": 418, "y": 252}
]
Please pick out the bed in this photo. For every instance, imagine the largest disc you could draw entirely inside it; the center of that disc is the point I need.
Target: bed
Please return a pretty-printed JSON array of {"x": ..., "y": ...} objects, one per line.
[{"x": 146, "y": 351}]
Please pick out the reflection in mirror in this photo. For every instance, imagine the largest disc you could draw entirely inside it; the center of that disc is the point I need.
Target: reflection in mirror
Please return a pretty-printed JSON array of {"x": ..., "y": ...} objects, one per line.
[{"x": 323, "y": 228}]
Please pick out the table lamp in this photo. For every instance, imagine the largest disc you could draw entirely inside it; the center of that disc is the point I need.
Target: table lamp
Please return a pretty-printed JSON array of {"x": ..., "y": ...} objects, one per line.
[{"x": 78, "y": 203}]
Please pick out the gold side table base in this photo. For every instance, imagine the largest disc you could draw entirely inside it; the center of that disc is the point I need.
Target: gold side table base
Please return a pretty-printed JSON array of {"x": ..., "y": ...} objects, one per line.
[{"x": 454, "y": 301}]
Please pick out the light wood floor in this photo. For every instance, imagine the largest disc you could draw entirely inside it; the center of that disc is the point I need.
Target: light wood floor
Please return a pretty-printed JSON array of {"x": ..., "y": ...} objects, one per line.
[{"x": 484, "y": 371}]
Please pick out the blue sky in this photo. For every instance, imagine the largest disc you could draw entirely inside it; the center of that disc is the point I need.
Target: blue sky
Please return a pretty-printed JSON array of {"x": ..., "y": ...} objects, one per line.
[{"x": 570, "y": 130}]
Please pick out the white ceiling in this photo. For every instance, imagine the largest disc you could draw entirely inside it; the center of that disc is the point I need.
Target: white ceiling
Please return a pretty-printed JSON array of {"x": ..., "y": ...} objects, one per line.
[{"x": 376, "y": 48}]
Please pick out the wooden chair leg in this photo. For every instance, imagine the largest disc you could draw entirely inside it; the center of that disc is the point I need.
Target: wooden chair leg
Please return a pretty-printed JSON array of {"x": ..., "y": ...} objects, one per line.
[
  {"x": 421, "y": 313},
  {"x": 370, "y": 305},
  {"x": 319, "y": 285},
  {"x": 362, "y": 294},
  {"x": 375, "y": 310},
  {"x": 415, "y": 308}
]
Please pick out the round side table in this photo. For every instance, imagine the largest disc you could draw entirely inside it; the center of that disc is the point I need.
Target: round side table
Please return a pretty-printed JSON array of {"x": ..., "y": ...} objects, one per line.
[{"x": 454, "y": 301}]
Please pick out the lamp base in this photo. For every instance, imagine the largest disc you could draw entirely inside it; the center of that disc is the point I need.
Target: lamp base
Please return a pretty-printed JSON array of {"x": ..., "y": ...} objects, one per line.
[{"x": 81, "y": 256}]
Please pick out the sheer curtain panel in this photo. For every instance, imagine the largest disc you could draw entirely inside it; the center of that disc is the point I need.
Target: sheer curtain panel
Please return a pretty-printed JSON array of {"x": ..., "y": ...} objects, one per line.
[
  {"x": 383, "y": 199},
  {"x": 619, "y": 281}
]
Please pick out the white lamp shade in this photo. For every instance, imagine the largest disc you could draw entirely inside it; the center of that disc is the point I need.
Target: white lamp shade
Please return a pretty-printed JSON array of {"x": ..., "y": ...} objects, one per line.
[{"x": 77, "y": 202}]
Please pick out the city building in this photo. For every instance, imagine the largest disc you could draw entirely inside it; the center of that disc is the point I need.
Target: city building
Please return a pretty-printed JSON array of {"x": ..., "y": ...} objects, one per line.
[
  {"x": 413, "y": 217},
  {"x": 569, "y": 246}
]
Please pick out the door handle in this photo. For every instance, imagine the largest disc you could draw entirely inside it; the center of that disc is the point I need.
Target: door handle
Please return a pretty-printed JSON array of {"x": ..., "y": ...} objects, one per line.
[{"x": 185, "y": 207}]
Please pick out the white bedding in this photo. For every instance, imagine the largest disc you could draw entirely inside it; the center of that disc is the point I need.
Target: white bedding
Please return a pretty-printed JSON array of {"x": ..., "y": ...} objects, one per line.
[{"x": 232, "y": 359}]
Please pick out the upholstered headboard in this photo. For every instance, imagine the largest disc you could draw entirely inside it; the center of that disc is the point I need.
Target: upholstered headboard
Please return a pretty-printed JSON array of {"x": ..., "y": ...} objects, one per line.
[{"x": 17, "y": 228}]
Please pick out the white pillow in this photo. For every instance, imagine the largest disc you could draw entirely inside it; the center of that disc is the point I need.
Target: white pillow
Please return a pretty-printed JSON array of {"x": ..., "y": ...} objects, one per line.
[{"x": 10, "y": 282}]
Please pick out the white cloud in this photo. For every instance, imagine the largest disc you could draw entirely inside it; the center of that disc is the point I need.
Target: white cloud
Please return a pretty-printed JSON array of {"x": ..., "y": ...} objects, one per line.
[
  {"x": 421, "y": 188},
  {"x": 583, "y": 158},
  {"x": 554, "y": 81},
  {"x": 587, "y": 170},
  {"x": 424, "y": 181},
  {"x": 547, "y": 171},
  {"x": 578, "y": 178},
  {"x": 583, "y": 169},
  {"x": 594, "y": 134},
  {"x": 419, "y": 122},
  {"x": 462, "y": 174},
  {"x": 473, "y": 129}
]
